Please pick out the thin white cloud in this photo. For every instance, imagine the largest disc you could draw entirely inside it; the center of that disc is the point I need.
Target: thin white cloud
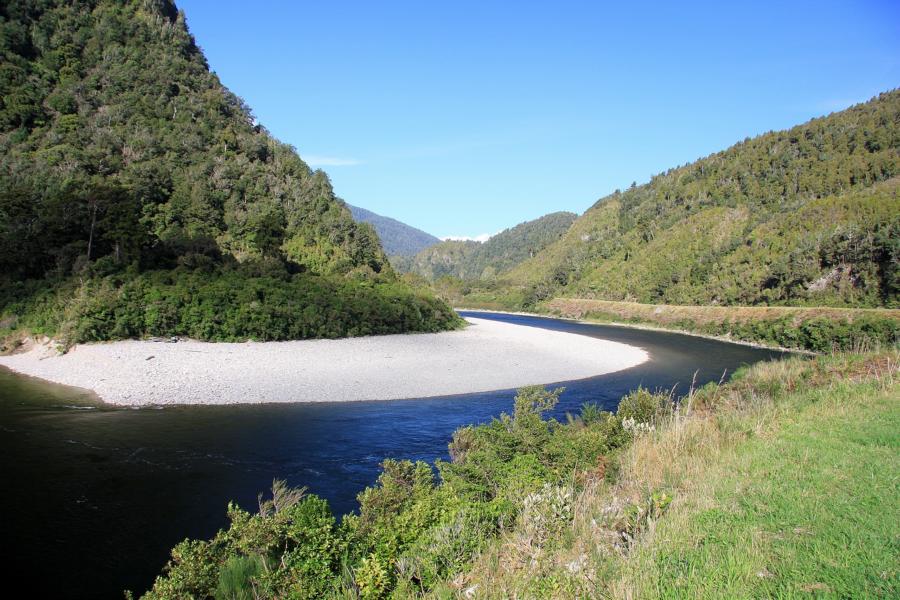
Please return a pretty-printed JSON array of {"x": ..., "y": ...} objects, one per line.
[
  {"x": 465, "y": 238},
  {"x": 330, "y": 161}
]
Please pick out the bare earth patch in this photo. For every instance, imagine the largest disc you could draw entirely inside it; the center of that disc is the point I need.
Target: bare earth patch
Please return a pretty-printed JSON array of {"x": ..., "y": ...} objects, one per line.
[{"x": 485, "y": 356}]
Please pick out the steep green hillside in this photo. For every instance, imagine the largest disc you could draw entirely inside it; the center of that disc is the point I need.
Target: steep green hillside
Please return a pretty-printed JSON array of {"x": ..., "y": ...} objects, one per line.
[
  {"x": 502, "y": 252},
  {"x": 805, "y": 216},
  {"x": 126, "y": 167},
  {"x": 398, "y": 239},
  {"x": 447, "y": 258}
]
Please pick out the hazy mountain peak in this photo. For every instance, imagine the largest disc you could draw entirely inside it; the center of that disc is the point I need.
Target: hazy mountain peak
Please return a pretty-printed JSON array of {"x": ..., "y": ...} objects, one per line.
[{"x": 397, "y": 238}]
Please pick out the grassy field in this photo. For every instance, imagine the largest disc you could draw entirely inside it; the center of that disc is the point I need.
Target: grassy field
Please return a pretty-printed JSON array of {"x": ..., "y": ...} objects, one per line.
[
  {"x": 809, "y": 505},
  {"x": 783, "y": 483}
]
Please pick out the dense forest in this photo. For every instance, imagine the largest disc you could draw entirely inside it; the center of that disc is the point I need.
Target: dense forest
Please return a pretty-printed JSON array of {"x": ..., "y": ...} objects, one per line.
[
  {"x": 398, "y": 239},
  {"x": 486, "y": 260},
  {"x": 807, "y": 216},
  {"x": 810, "y": 215},
  {"x": 132, "y": 184}
]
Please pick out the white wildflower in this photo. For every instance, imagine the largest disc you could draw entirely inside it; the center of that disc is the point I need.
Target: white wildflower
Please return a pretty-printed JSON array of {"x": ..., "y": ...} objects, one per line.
[
  {"x": 548, "y": 509},
  {"x": 630, "y": 424}
]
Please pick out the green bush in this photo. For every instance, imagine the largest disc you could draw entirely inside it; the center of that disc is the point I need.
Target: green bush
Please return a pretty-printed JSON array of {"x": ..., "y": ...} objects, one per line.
[
  {"x": 411, "y": 533},
  {"x": 591, "y": 413},
  {"x": 225, "y": 304},
  {"x": 644, "y": 406},
  {"x": 236, "y": 578},
  {"x": 818, "y": 334}
]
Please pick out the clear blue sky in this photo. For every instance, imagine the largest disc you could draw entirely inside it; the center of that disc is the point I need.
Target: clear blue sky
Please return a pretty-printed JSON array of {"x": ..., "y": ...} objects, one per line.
[{"x": 464, "y": 118}]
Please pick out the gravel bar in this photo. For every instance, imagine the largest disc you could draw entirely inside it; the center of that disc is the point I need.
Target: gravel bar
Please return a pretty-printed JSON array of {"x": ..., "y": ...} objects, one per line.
[{"x": 486, "y": 355}]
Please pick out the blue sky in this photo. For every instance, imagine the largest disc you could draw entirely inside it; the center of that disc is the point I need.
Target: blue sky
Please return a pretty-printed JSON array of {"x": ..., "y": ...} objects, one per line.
[{"x": 464, "y": 118}]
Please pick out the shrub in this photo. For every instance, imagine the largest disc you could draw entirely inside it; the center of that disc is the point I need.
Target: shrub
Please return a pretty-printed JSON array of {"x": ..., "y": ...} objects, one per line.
[
  {"x": 372, "y": 579},
  {"x": 546, "y": 513},
  {"x": 236, "y": 578},
  {"x": 642, "y": 406},
  {"x": 226, "y": 304},
  {"x": 411, "y": 534},
  {"x": 591, "y": 413}
]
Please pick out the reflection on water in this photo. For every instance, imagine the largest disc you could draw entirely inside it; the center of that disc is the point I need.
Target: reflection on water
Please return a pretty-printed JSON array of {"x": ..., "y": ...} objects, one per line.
[{"x": 94, "y": 497}]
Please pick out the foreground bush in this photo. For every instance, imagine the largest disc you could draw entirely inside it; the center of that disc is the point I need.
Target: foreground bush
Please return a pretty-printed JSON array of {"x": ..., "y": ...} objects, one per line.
[{"x": 412, "y": 533}]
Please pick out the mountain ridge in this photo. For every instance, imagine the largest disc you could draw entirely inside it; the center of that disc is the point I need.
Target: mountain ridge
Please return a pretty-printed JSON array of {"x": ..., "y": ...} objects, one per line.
[
  {"x": 397, "y": 238},
  {"x": 709, "y": 231},
  {"x": 469, "y": 259}
]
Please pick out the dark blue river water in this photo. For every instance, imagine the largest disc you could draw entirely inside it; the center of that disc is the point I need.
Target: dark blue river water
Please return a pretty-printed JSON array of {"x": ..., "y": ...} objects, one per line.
[{"x": 94, "y": 496}]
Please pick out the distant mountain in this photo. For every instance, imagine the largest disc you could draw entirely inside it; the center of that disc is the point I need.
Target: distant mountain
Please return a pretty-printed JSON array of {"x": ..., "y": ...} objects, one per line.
[
  {"x": 810, "y": 215},
  {"x": 484, "y": 260},
  {"x": 398, "y": 239}
]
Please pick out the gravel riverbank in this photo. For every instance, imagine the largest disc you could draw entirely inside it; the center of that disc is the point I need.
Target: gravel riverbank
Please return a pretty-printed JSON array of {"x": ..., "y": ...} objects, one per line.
[{"x": 487, "y": 355}]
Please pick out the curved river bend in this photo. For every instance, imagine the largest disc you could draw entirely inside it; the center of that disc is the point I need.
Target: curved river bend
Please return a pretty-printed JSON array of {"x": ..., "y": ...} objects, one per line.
[{"x": 94, "y": 497}]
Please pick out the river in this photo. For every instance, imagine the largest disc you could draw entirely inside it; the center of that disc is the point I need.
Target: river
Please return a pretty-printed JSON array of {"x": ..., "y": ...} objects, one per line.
[{"x": 95, "y": 496}]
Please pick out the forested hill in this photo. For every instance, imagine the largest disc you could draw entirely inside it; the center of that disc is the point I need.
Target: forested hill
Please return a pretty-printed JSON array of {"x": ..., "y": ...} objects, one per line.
[
  {"x": 497, "y": 255},
  {"x": 810, "y": 215},
  {"x": 397, "y": 238},
  {"x": 126, "y": 166}
]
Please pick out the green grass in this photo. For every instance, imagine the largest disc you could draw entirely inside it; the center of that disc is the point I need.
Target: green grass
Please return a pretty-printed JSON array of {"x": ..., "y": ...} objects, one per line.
[
  {"x": 783, "y": 483},
  {"x": 812, "y": 507}
]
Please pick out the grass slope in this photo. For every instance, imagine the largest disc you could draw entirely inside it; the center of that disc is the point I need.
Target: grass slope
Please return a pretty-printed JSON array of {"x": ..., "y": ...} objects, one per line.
[
  {"x": 810, "y": 505},
  {"x": 782, "y": 483}
]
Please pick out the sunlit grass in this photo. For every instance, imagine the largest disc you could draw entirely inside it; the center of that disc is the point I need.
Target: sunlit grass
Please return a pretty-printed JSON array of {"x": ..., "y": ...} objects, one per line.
[
  {"x": 783, "y": 483},
  {"x": 811, "y": 505}
]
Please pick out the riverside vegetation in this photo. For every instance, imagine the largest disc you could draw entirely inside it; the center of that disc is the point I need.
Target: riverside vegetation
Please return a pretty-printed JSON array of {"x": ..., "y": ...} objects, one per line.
[
  {"x": 815, "y": 329},
  {"x": 714, "y": 493},
  {"x": 131, "y": 179}
]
